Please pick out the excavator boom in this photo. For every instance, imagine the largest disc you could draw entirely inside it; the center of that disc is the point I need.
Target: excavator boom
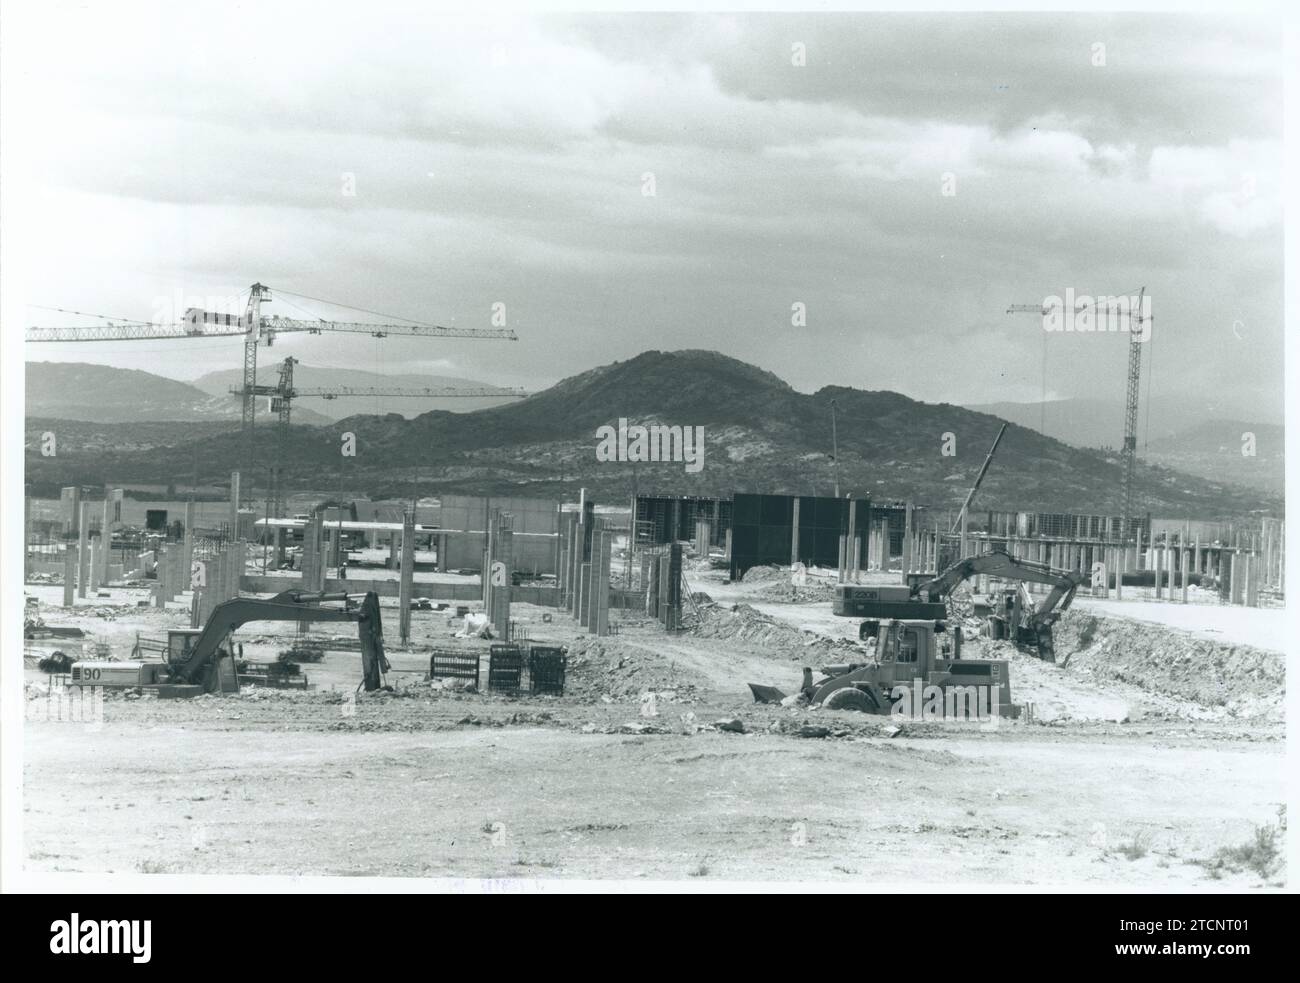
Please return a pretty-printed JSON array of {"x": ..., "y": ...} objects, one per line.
[
  {"x": 1038, "y": 623},
  {"x": 201, "y": 657}
]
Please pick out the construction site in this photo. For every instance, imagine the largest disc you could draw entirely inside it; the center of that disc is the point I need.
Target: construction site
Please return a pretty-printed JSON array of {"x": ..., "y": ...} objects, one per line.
[
  {"x": 749, "y": 687},
  {"x": 529, "y": 450}
]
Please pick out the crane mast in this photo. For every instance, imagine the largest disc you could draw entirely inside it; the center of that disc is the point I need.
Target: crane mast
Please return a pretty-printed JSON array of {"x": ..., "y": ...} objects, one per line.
[
  {"x": 1131, "y": 409},
  {"x": 1134, "y": 380}
]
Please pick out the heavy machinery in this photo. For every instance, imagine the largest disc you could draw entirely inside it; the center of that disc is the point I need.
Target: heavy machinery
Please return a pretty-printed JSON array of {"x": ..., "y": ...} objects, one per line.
[
  {"x": 918, "y": 642},
  {"x": 202, "y": 660},
  {"x": 1014, "y": 616},
  {"x": 916, "y": 660}
]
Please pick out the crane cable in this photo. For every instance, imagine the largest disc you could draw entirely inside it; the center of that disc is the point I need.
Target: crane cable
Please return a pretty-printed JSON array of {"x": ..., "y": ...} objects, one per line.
[{"x": 348, "y": 307}]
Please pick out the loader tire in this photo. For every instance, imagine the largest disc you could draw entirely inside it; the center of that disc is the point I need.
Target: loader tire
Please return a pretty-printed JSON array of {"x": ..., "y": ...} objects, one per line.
[{"x": 849, "y": 698}]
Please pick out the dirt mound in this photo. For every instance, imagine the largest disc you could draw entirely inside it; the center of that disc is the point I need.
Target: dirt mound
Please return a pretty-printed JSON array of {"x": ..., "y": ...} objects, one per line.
[
  {"x": 812, "y": 592},
  {"x": 758, "y": 575},
  {"x": 1245, "y": 681},
  {"x": 743, "y": 623},
  {"x": 607, "y": 667}
]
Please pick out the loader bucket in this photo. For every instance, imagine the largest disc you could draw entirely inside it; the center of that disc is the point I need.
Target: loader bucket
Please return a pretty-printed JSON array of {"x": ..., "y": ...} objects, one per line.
[{"x": 766, "y": 694}]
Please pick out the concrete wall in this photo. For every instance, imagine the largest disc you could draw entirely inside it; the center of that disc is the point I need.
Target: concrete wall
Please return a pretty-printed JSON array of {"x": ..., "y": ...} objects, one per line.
[
  {"x": 470, "y": 513},
  {"x": 208, "y": 515},
  {"x": 464, "y": 519},
  {"x": 533, "y": 553}
]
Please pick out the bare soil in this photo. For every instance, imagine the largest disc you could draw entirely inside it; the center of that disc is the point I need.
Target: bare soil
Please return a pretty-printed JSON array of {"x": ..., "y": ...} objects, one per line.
[{"x": 1127, "y": 778}]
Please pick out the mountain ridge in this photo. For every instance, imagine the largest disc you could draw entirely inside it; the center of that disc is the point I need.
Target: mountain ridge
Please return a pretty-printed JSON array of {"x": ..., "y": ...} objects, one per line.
[{"x": 761, "y": 435}]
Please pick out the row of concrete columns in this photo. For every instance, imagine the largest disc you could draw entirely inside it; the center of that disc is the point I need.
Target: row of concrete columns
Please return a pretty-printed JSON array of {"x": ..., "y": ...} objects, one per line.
[
  {"x": 664, "y": 587},
  {"x": 586, "y": 556}
]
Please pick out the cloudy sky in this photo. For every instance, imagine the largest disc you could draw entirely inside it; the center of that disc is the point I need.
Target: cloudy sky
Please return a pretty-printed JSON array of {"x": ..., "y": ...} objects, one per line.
[{"x": 181, "y": 152}]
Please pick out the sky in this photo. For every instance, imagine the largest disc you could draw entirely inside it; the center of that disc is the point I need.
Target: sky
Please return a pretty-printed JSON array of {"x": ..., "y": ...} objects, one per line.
[{"x": 849, "y": 199}]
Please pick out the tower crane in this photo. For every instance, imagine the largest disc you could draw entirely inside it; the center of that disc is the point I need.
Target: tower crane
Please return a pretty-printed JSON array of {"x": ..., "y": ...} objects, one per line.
[
  {"x": 1137, "y": 319},
  {"x": 255, "y": 328}
]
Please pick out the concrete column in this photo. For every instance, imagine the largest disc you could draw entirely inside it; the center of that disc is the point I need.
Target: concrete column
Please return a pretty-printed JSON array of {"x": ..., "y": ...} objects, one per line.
[
  {"x": 1237, "y": 573},
  {"x": 1120, "y": 564},
  {"x": 95, "y": 551},
  {"x": 105, "y": 537},
  {"x": 500, "y": 614},
  {"x": 584, "y": 595},
  {"x": 234, "y": 504},
  {"x": 674, "y": 586},
  {"x": 169, "y": 573},
  {"x": 1253, "y": 568},
  {"x": 851, "y": 551},
  {"x": 728, "y": 547},
  {"x": 307, "y": 560},
  {"x": 69, "y": 574},
  {"x": 188, "y": 542},
  {"x": 664, "y": 574},
  {"x": 407, "y": 577},
  {"x": 600, "y": 562},
  {"x": 156, "y": 591},
  {"x": 651, "y": 581},
  {"x": 907, "y": 541},
  {"x": 318, "y": 553},
  {"x": 794, "y": 534},
  {"x": 83, "y": 549},
  {"x": 576, "y": 560}
]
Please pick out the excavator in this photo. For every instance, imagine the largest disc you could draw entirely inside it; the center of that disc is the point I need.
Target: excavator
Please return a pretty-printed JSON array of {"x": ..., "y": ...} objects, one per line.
[
  {"x": 202, "y": 660},
  {"x": 1015, "y": 615},
  {"x": 918, "y": 642}
]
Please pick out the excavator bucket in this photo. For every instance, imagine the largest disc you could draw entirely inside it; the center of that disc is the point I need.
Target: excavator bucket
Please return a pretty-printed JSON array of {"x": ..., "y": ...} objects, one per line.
[{"x": 1046, "y": 647}]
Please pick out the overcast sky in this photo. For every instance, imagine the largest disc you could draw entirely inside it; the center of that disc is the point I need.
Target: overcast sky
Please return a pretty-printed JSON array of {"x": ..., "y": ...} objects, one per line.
[{"x": 186, "y": 151}]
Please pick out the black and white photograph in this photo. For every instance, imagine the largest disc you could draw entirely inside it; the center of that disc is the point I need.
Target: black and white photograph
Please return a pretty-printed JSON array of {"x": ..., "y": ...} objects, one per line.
[{"x": 549, "y": 450}]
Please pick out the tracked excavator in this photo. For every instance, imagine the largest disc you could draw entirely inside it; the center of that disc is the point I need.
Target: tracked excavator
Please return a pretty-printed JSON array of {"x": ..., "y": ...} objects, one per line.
[{"x": 202, "y": 660}]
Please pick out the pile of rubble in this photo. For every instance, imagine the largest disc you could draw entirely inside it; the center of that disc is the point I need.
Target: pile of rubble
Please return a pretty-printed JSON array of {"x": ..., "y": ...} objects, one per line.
[
  {"x": 605, "y": 667},
  {"x": 746, "y": 624}
]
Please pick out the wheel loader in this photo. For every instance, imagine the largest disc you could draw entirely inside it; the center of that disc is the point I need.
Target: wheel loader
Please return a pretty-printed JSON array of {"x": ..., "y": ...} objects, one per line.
[{"x": 917, "y": 671}]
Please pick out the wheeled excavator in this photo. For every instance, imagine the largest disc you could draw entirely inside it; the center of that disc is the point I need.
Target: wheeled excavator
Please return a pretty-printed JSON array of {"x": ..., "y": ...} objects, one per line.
[{"x": 202, "y": 660}]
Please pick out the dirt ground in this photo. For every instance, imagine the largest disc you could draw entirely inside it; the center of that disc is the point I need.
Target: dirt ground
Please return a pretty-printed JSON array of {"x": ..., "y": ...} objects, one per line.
[{"x": 1142, "y": 781}]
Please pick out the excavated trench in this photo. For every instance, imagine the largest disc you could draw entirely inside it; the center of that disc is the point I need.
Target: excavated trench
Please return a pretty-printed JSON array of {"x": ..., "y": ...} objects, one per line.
[{"x": 1235, "y": 680}]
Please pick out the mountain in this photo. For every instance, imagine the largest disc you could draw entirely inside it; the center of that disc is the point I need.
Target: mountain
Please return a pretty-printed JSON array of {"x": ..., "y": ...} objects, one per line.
[
  {"x": 102, "y": 394},
  {"x": 318, "y": 409},
  {"x": 1100, "y": 423},
  {"x": 1249, "y": 454},
  {"x": 761, "y": 435}
]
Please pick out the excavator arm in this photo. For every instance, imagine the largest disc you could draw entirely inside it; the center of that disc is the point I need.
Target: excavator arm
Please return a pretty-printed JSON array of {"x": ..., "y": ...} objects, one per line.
[
  {"x": 1064, "y": 584},
  {"x": 200, "y": 659}
]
